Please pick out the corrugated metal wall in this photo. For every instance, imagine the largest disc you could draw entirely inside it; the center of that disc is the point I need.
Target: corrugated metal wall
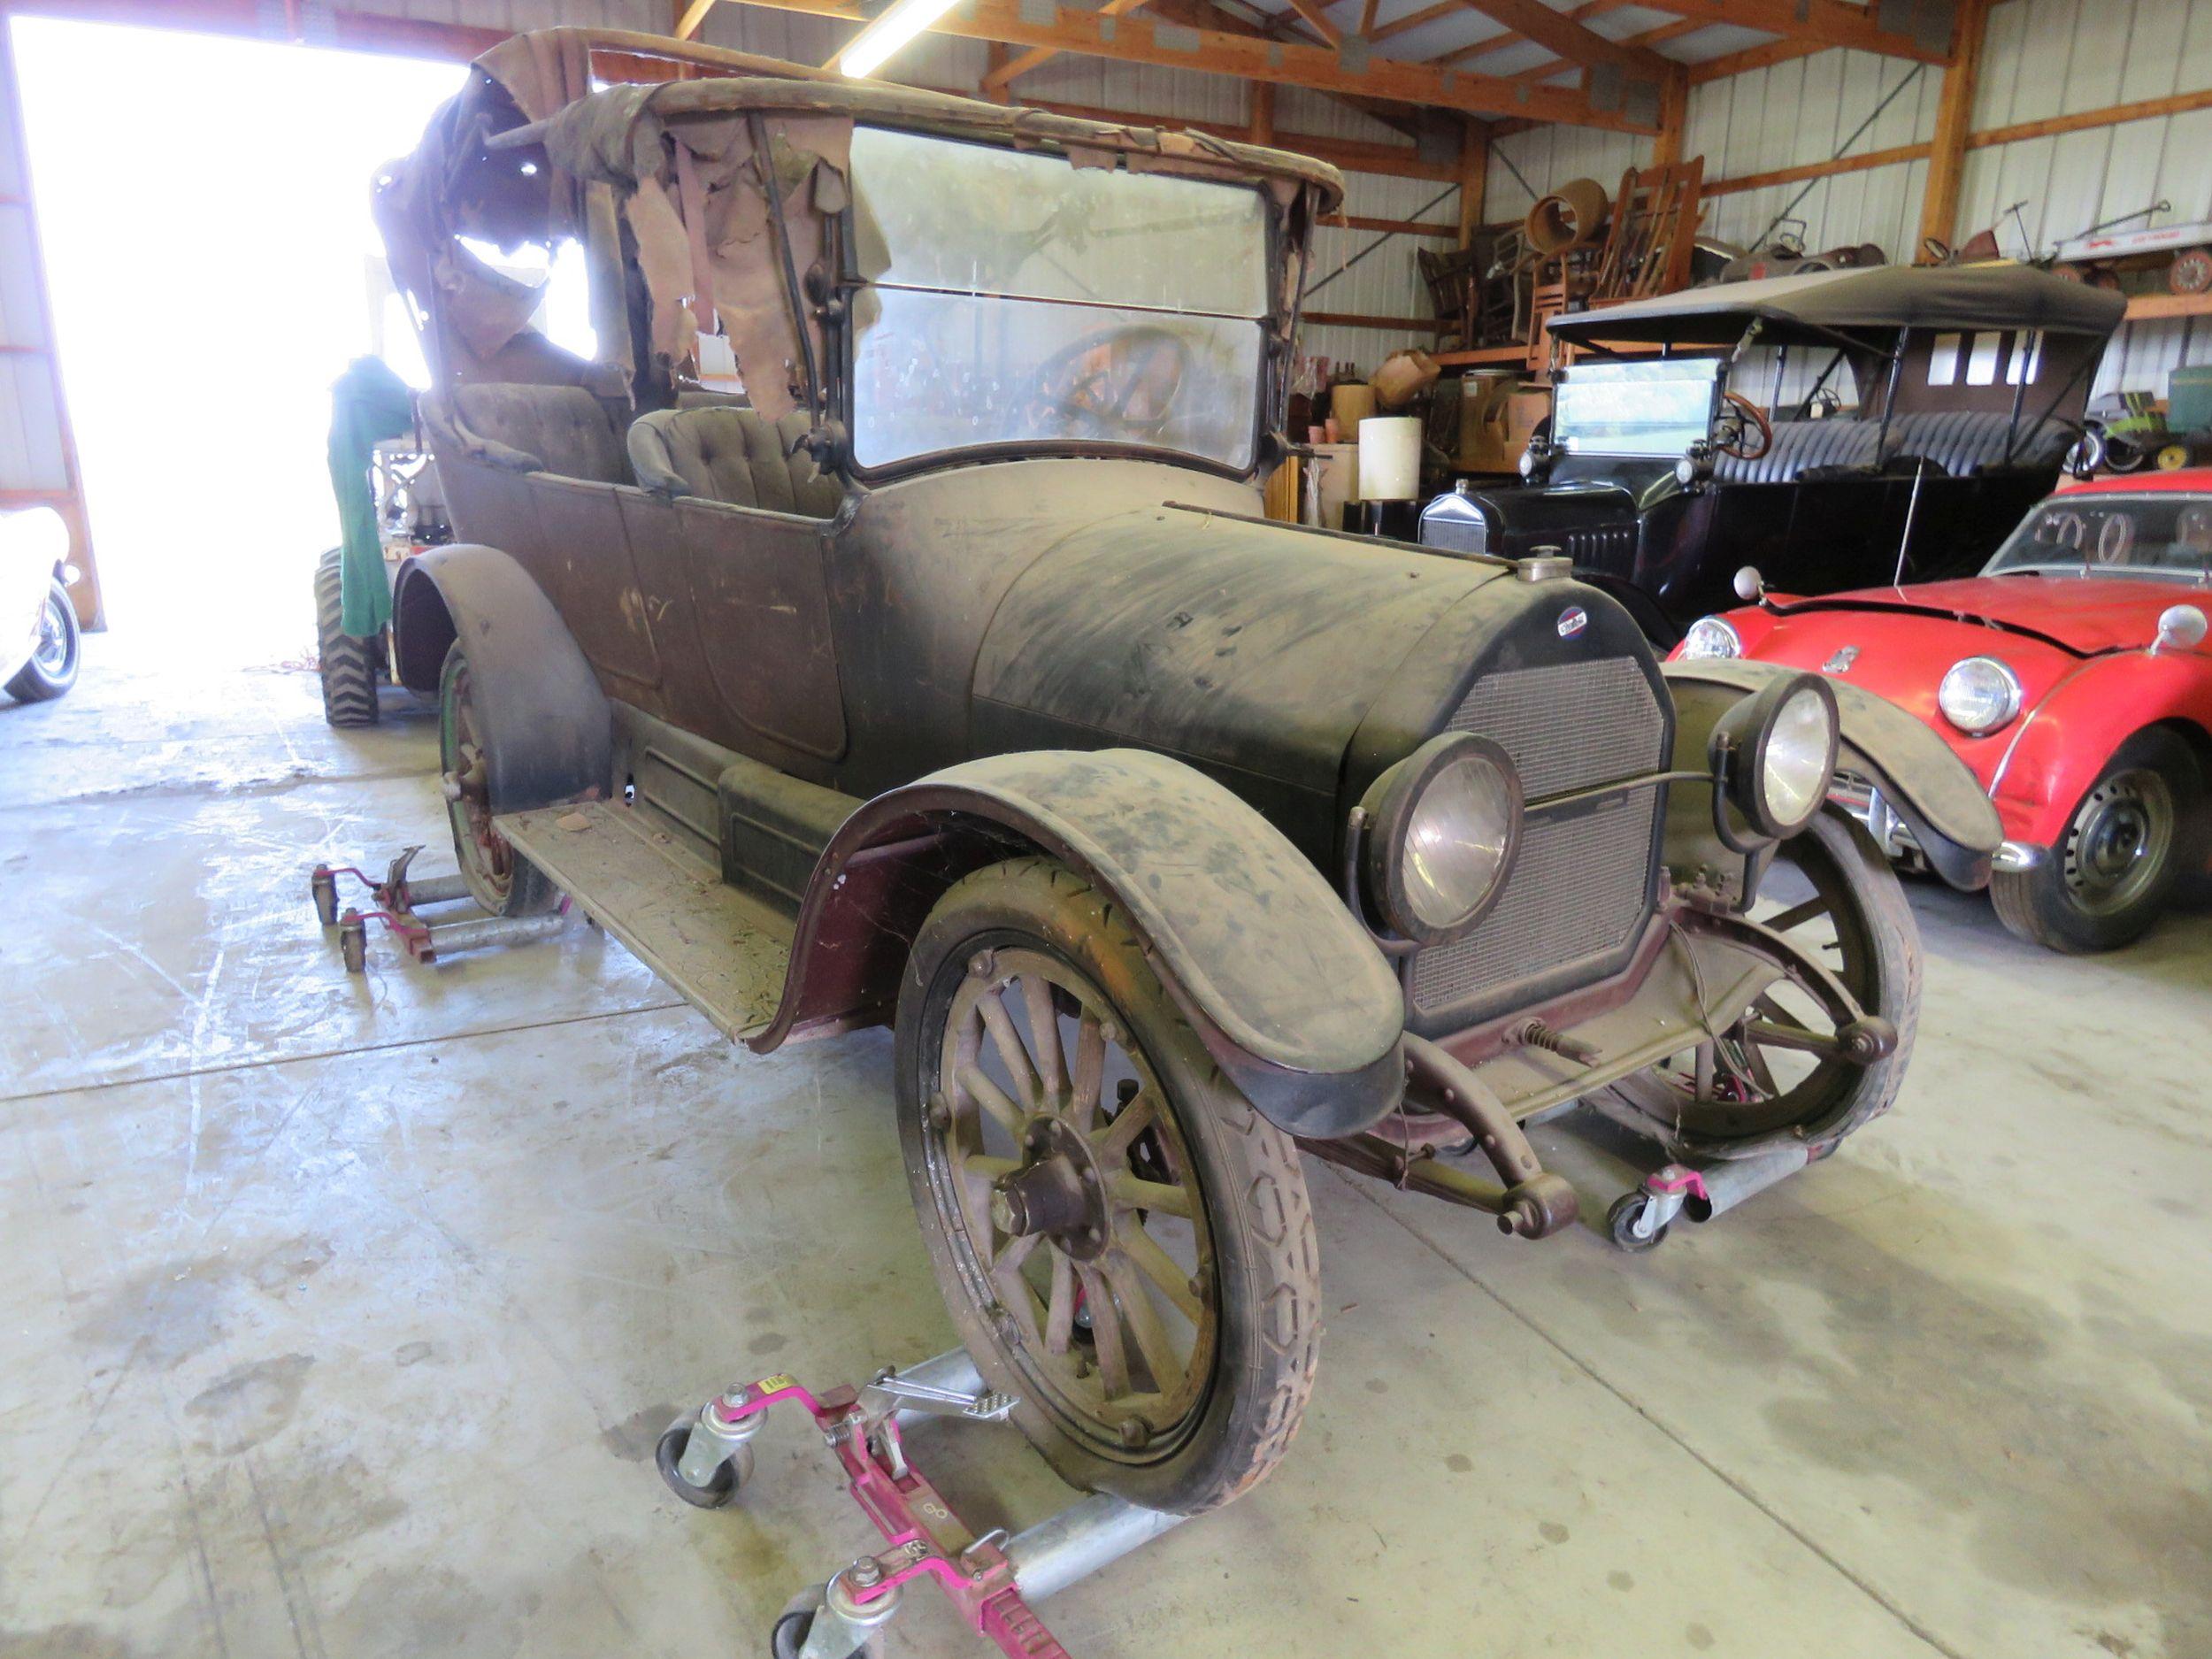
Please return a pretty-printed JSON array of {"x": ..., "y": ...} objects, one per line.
[{"x": 2044, "y": 58}]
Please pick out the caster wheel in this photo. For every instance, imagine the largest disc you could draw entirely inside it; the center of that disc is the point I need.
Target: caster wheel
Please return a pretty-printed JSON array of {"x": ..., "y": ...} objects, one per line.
[
  {"x": 353, "y": 943},
  {"x": 729, "y": 1475},
  {"x": 787, "y": 1637},
  {"x": 323, "y": 888},
  {"x": 1626, "y": 1216}
]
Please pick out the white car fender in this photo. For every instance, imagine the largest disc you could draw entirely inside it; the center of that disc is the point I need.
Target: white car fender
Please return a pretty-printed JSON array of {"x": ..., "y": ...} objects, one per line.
[{"x": 32, "y": 542}]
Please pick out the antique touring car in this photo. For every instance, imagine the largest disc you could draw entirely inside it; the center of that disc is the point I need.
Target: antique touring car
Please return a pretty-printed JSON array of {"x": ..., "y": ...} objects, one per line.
[
  {"x": 954, "y": 682},
  {"x": 1661, "y": 476}
]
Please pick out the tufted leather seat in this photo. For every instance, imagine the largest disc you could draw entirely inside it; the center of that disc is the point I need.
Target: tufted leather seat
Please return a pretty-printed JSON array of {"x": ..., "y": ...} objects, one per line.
[
  {"x": 1961, "y": 442},
  {"x": 559, "y": 429},
  {"x": 1800, "y": 445},
  {"x": 731, "y": 455}
]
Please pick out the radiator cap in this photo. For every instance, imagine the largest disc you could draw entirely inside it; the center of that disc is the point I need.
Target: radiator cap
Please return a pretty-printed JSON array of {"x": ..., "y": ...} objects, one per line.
[{"x": 1545, "y": 564}]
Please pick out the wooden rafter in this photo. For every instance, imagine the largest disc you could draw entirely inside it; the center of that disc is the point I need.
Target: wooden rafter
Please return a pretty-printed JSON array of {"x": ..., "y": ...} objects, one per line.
[
  {"x": 1650, "y": 37},
  {"x": 1317, "y": 21},
  {"x": 694, "y": 14},
  {"x": 1001, "y": 77},
  {"x": 1142, "y": 40},
  {"x": 1566, "y": 38},
  {"x": 1382, "y": 32},
  {"x": 1825, "y": 23}
]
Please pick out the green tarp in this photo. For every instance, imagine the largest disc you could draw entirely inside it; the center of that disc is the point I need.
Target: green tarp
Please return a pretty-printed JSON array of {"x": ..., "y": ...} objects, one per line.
[{"x": 367, "y": 403}]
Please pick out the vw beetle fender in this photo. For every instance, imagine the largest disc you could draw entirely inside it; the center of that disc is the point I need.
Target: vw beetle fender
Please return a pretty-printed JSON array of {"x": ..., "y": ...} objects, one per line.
[
  {"x": 2054, "y": 754},
  {"x": 1289, "y": 995},
  {"x": 1928, "y": 785},
  {"x": 547, "y": 729}
]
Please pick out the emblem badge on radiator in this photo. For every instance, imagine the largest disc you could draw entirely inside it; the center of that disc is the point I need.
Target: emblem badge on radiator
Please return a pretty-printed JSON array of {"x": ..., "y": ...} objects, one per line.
[
  {"x": 1840, "y": 663},
  {"x": 1572, "y": 620}
]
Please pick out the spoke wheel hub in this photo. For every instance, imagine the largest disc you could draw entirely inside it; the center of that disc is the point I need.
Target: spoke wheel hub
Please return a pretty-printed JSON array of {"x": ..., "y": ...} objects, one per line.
[{"x": 1058, "y": 1192}]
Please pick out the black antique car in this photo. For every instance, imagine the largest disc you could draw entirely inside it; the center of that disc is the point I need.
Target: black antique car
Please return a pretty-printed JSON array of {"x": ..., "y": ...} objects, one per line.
[
  {"x": 1838, "y": 430},
  {"x": 953, "y": 681}
]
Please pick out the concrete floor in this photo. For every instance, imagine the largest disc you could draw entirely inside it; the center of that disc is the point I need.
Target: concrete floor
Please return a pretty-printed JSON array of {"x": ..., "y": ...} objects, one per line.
[{"x": 338, "y": 1315}]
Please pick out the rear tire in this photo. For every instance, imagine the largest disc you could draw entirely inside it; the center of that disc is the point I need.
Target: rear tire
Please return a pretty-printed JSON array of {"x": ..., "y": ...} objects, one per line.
[
  {"x": 1222, "y": 1245},
  {"x": 51, "y": 668},
  {"x": 348, "y": 665},
  {"x": 500, "y": 881},
  {"x": 2118, "y": 863}
]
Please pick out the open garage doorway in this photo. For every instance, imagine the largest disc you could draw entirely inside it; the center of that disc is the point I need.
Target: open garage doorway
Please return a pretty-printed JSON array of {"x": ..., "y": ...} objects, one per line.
[{"x": 204, "y": 205}]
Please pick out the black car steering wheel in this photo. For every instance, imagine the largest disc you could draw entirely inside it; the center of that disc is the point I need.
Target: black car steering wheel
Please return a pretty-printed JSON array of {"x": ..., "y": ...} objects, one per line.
[
  {"x": 1112, "y": 383},
  {"x": 1741, "y": 429}
]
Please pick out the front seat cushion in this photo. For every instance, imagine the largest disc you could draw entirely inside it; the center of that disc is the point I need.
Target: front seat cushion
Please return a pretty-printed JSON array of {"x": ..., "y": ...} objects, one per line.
[{"x": 731, "y": 455}]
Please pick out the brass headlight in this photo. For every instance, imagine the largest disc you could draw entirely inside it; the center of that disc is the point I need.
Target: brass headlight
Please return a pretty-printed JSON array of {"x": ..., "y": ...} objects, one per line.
[
  {"x": 1773, "y": 755},
  {"x": 1444, "y": 825}
]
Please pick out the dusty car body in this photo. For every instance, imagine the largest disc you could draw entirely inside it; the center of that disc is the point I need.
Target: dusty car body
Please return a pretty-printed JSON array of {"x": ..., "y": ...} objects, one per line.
[
  {"x": 2071, "y": 676},
  {"x": 957, "y": 683},
  {"x": 1661, "y": 477},
  {"x": 38, "y": 624}
]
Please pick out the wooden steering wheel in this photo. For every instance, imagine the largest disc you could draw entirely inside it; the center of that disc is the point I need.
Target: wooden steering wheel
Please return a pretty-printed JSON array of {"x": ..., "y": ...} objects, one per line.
[{"x": 1739, "y": 422}]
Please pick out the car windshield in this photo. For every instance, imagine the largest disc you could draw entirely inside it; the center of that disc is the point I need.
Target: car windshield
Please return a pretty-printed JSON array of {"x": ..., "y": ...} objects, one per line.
[
  {"x": 2155, "y": 535},
  {"x": 1651, "y": 408},
  {"x": 1014, "y": 298}
]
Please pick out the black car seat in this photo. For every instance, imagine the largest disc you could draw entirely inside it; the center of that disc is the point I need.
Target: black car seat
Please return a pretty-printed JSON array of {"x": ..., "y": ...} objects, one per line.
[
  {"x": 1799, "y": 447},
  {"x": 559, "y": 429},
  {"x": 731, "y": 455},
  {"x": 1961, "y": 442}
]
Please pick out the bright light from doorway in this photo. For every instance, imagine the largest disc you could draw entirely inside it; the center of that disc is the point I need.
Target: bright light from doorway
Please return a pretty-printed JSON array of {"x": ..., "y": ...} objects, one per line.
[{"x": 204, "y": 205}]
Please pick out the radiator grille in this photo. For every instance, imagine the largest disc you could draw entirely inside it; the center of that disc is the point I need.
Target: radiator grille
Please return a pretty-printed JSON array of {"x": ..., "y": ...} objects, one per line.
[
  {"x": 1582, "y": 885},
  {"x": 1568, "y": 725},
  {"x": 1455, "y": 533},
  {"x": 1577, "y": 893}
]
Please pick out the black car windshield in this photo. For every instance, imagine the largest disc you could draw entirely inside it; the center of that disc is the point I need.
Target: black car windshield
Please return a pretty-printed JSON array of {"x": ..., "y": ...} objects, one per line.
[
  {"x": 1015, "y": 299},
  {"x": 2164, "y": 534}
]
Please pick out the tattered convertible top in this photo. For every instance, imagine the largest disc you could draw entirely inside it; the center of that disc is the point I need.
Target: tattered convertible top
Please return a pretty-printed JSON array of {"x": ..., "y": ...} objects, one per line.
[
  {"x": 676, "y": 176},
  {"x": 1868, "y": 300}
]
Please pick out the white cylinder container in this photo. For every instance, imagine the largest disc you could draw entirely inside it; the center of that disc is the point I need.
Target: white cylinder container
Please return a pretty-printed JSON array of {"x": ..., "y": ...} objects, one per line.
[{"x": 1390, "y": 458}]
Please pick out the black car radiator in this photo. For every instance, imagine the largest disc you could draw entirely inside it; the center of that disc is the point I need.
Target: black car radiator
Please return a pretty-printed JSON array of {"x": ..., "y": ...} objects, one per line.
[{"x": 1583, "y": 884}]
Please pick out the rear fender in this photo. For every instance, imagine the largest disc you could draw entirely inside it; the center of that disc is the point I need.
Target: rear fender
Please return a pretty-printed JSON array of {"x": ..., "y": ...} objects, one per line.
[
  {"x": 547, "y": 726},
  {"x": 2068, "y": 739},
  {"x": 1929, "y": 787},
  {"x": 1288, "y": 994}
]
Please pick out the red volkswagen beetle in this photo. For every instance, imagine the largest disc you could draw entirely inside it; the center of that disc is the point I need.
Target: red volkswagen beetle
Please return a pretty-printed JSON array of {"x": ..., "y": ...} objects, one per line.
[{"x": 2072, "y": 677}]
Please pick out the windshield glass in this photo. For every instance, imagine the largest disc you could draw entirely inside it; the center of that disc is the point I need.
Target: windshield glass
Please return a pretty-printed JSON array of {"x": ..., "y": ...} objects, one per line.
[
  {"x": 2168, "y": 535},
  {"x": 1657, "y": 409},
  {"x": 1014, "y": 298}
]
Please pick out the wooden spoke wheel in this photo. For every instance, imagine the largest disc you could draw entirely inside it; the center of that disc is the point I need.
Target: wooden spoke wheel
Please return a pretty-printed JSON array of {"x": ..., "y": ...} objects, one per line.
[
  {"x": 500, "y": 880},
  {"x": 1832, "y": 894},
  {"x": 1123, "y": 1244}
]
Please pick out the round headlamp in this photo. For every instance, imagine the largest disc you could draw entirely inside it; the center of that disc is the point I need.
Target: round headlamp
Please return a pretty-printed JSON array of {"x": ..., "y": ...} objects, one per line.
[
  {"x": 1775, "y": 752},
  {"x": 1443, "y": 826},
  {"x": 1979, "y": 695},
  {"x": 1710, "y": 637}
]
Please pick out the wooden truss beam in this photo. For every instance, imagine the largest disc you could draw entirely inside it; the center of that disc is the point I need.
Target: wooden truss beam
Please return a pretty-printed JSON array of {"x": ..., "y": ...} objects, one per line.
[
  {"x": 1567, "y": 38},
  {"x": 1823, "y": 23},
  {"x": 1142, "y": 40},
  {"x": 1763, "y": 56}
]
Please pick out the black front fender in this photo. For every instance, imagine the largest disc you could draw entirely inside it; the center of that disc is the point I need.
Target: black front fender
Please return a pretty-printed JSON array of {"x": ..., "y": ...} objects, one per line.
[
  {"x": 1286, "y": 990},
  {"x": 1928, "y": 785}
]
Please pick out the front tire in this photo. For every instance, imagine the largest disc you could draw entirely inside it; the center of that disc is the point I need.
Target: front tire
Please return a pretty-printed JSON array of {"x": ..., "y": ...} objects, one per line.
[
  {"x": 51, "y": 667},
  {"x": 1833, "y": 894},
  {"x": 1123, "y": 1244},
  {"x": 347, "y": 666},
  {"x": 500, "y": 881},
  {"x": 2117, "y": 861}
]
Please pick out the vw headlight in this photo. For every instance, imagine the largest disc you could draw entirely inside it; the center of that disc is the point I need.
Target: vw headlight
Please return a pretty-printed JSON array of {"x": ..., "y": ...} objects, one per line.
[
  {"x": 1979, "y": 695},
  {"x": 1710, "y": 637},
  {"x": 1443, "y": 825},
  {"x": 1774, "y": 754}
]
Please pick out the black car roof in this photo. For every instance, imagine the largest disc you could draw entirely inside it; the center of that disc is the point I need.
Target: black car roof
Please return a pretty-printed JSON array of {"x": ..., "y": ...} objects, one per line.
[{"x": 1867, "y": 299}]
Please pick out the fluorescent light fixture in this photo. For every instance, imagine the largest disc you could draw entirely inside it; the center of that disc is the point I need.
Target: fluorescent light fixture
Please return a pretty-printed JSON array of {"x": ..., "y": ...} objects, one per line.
[{"x": 875, "y": 46}]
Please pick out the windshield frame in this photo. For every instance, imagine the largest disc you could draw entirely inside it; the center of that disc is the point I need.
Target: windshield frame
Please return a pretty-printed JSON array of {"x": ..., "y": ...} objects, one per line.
[
  {"x": 2085, "y": 568},
  {"x": 1268, "y": 390}
]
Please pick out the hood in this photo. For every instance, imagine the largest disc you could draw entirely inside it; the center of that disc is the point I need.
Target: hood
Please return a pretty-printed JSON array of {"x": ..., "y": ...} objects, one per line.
[{"x": 2080, "y": 614}]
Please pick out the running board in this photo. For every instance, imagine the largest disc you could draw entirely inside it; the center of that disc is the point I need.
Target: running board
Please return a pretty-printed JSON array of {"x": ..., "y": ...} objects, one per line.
[{"x": 726, "y": 953}]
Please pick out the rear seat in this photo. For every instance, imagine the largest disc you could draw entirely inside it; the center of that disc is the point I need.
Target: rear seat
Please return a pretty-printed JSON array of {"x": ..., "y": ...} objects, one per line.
[
  {"x": 731, "y": 455},
  {"x": 1959, "y": 441},
  {"x": 559, "y": 429}
]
